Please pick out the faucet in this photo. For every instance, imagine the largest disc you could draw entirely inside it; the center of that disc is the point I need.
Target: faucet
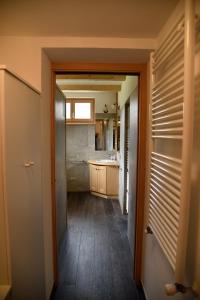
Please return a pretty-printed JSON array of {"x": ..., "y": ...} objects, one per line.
[{"x": 112, "y": 156}]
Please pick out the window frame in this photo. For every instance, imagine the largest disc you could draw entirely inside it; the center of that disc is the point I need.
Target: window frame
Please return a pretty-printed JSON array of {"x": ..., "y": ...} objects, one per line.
[{"x": 72, "y": 119}]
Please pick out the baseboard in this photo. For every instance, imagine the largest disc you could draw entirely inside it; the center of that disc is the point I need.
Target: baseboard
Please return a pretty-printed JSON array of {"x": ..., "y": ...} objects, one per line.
[
  {"x": 53, "y": 291},
  {"x": 141, "y": 291},
  {"x": 114, "y": 197}
]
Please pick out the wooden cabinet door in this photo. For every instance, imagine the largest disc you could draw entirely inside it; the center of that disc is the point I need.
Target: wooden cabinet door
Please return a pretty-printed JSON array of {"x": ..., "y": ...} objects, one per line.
[
  {"x": 93, "y": 178},
  {"x": 112, "y": 180},
  {"x": 101, "y": 179}
]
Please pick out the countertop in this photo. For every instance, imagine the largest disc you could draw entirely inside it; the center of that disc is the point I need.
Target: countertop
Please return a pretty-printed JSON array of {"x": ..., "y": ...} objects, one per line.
[{"x": 100, "y": 162}]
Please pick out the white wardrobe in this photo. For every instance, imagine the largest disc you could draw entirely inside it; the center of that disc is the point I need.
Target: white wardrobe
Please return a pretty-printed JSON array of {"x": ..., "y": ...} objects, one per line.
[{"x": 21, "y": 224}]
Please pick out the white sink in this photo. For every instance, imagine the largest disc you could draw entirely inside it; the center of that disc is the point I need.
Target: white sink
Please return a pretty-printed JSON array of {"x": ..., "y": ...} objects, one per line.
[{"x": 110, "y": 161}]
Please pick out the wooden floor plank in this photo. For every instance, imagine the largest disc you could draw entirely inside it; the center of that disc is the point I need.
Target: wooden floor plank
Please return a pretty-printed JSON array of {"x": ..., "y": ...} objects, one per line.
[
  {"x": 95, "y": 261},
  {"x": 85, "y": 271},
  {"x": 69, "y": 264}
]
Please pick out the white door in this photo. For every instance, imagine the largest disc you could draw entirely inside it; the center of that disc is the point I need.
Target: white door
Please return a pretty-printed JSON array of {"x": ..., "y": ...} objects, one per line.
[
  {"x": 23, "y": 186},
  {"x": 60, "y": 166}
]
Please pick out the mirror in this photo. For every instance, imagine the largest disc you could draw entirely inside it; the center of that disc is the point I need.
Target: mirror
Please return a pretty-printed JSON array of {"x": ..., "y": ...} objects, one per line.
[{"x": 106, "y": 132}]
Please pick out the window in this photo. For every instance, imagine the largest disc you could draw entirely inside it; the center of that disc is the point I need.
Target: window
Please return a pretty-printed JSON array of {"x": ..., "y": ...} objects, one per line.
[{"x": 80, "y": 110}]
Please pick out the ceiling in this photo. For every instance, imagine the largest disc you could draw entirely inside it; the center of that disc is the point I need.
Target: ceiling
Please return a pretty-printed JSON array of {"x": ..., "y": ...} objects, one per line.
[
  {"x": 89, "y": 18},
  {"x": 90, "y": 82}
]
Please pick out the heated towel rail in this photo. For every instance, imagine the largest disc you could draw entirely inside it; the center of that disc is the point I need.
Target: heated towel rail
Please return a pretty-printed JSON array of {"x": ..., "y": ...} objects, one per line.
[{"x": 171, "y": 128}]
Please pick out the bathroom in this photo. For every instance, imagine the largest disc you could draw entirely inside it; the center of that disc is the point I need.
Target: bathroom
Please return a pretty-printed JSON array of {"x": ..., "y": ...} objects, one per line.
[
  {"x": 95, "y": 139},
  {"x": 101, "y": 142}
]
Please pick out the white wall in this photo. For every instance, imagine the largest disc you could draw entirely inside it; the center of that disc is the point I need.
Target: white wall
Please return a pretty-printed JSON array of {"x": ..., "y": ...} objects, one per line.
[
  {"x": 128, "y": 86},
  {"x": 101, "y": 98},
  {"x": 121, "y": 169},
  {"x": 46, "y": 171},
  {"x": 23, "y": 188},
  {"x": 132, "y": 167},
  {"x": 60, "y": 167}
]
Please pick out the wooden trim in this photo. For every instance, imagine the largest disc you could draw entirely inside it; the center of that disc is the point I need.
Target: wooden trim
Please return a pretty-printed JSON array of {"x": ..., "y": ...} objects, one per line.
[
  {"x": 92, "y": 77},
  {"x": 98, "y": 68},
  {"x": 109, "y": 68}
]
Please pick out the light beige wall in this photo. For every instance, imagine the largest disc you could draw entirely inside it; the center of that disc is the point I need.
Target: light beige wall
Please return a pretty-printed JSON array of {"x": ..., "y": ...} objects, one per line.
[
  {"x": 128, "y": 86},
  {"x": 23, "y": 54},
  {"x": 46, "y": 171}
]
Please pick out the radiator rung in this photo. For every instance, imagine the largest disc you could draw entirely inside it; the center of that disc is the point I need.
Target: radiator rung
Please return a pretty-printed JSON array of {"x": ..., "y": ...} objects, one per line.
[
  {"x": 167, "y": 178},
  {"x": 173, "y": 101},
  {"x": 169, "y": 165},
  {"x": 168, "y": 37},
  {"x": 169, "y": 117},
  {"x": 167, "y": 186},
  {"x": 170, "y": 76},
  {"x": 166, "y": 157},
  {"x": 163, "y": 130},
  {"x": 170, "y": 220},
  {"x": 172, "y": 174},
  {"x": 171, "y": 196},
  {"x": 175, "y": 107},
  {"x": 157, "y": 224},
  {"x": 179, "y": 40},
  {"x": 170, "y": 95},
  {"x": 167, "y": 251},
  {"x": 167, "y": 226},
  {"x": 170, "y": 123},
  {"x": 170, "y": 137},
  {"x": 178, "y": 80},
  {"x": 166, "y": 101},
  {"x": 172, "y": 207}
]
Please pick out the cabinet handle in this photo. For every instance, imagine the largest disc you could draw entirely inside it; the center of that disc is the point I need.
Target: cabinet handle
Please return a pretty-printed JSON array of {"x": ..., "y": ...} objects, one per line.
[
  {"x": 26, "y": 165},
  {"x": 29, "y": 164}
]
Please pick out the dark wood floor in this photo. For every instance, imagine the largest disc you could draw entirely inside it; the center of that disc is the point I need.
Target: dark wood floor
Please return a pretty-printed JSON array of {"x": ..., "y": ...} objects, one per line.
[{"x": 95, "y": 260}]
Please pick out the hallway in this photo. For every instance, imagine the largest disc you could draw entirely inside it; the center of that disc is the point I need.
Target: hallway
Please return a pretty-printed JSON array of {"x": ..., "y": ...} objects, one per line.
[{"x": 95, "y": 261}]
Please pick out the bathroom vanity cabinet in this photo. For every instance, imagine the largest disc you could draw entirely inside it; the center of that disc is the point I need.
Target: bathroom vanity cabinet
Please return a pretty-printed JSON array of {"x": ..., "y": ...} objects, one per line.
[{"x": 104, "y": 179}]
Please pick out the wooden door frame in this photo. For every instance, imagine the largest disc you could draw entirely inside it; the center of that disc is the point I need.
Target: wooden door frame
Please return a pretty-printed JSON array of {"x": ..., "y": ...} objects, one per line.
[{"x": 109, "y": 68}]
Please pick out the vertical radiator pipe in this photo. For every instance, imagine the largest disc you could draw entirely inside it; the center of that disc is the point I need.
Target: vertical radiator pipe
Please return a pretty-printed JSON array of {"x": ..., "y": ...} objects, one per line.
[{"x": 187, "y": 140}]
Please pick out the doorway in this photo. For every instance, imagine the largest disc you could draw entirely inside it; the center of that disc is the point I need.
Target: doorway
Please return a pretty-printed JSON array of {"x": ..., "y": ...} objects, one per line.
[{"x": 139, "y": 70}]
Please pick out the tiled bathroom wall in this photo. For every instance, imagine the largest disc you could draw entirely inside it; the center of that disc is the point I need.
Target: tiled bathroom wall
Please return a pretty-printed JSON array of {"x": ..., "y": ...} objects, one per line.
[{"x": 80, "y": 147}]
